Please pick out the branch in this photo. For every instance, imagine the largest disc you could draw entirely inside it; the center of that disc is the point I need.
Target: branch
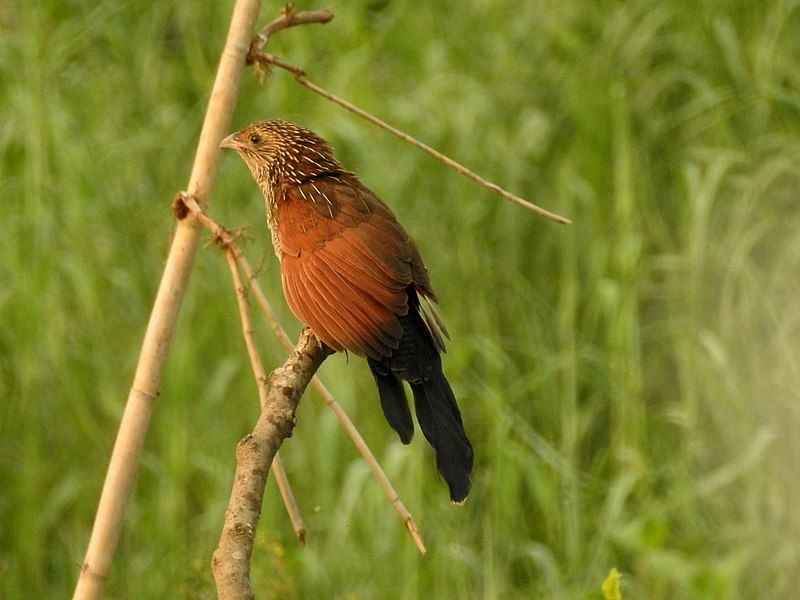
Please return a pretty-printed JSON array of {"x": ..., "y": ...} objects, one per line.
[
  {"x": 255, "y": 56},
  {"x": 227, "y": 240},
  {"x": 141, "y": 400},
  {"x": 287, "y": 18},
  {"x": 261, "y": 382},
  {"x": 254, "y": 454}
]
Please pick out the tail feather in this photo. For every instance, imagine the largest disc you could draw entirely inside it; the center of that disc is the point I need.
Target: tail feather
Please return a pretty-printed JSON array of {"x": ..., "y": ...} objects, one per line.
[
  {"x": 393, "y": 400},
  {"x": 440, "y": 421},
  {"x": 417, "y": 361}
]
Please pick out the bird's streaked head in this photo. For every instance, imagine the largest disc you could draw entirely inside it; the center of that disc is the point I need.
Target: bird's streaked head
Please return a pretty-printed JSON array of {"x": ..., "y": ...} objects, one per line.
[{"x": 281, "y": 152}]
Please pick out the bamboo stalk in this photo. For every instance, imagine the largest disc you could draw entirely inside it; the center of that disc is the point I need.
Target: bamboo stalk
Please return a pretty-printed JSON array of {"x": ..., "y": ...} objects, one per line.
[{"x": 139, "y": 407}]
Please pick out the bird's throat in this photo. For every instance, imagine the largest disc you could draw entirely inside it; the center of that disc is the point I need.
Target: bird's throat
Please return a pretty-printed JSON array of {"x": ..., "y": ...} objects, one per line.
[{"x": 271, "y": 207}]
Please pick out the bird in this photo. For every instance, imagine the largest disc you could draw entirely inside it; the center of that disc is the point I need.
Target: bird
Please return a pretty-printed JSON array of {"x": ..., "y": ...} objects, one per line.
[{"x": 353, "y": 275}]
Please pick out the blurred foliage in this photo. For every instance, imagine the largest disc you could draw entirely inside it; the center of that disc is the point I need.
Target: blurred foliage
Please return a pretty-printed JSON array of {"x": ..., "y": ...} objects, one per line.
[
  {"x": 630, "y": 382},
  {"x": 611, "y": 589}
]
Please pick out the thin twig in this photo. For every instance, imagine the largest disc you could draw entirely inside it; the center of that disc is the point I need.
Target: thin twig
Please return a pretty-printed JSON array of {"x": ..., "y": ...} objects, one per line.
[
  {"x": 166, "y": 308},
  {"x": 227, "y": 239},
  {"x": 254, "y": 454},
  {"x": 287, "y": 18},
  {"x": 289, "y": 502},
  {"x": 261, "y": 381},
  {"x": 300, "y": 77}
]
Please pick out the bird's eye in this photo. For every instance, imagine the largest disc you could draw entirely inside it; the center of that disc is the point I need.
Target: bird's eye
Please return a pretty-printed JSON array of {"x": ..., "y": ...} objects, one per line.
[{"x": 255, "y": 139}]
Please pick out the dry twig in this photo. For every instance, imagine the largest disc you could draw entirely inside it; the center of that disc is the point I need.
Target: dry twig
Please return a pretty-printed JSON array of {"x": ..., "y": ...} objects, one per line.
[
  {"x": 263, "y": 389},
  {"x": 288, "y": 18},
  {"x": 136, "y": 418},
  {"x": 256, "y": 56}
]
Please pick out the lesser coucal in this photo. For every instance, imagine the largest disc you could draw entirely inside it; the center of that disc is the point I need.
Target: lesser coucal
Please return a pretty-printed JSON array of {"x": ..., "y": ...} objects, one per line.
[{"x": 353, "y": 275}]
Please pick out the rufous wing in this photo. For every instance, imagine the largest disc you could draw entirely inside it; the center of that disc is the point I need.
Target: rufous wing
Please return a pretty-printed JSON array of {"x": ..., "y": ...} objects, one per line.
[{"x": 346, "y": 263}]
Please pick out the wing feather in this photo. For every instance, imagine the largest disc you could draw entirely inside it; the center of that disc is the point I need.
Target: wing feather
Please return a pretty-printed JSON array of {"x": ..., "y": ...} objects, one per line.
[
  {"x": 357, "y": 275},
  {"x": 303, "y": 311},
  {"x": 349, "y": 249},
  {"x": 348, "y": 266},
  {"x": 394, "y": 267},
  {"x": 361, "y": 332},
  {"x": 376, "y": 318},
  {"x": 321, "y": 300}
]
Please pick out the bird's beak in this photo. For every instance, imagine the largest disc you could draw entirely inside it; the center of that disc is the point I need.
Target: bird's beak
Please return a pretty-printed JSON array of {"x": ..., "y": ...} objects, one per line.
[{"x": 230, "y": 142}]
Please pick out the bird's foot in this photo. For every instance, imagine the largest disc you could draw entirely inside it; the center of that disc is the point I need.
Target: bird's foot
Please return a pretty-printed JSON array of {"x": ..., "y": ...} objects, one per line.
[{"x": 318, "y": 340}]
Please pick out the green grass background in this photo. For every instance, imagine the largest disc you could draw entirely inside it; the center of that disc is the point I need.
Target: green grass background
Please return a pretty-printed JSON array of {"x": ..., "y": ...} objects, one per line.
[{"x": 631, "y": 382}]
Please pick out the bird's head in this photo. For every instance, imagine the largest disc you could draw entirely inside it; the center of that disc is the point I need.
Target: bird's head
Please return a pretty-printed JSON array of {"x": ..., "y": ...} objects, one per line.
[{"x": 279, "y": 152}]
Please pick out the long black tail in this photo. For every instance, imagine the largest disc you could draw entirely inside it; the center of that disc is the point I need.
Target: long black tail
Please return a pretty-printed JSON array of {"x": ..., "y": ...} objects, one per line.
[
  {"x": 417, "y": 361},
  {"x": 393, "y": 400},
  {"x": 440, "y": 420}
]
